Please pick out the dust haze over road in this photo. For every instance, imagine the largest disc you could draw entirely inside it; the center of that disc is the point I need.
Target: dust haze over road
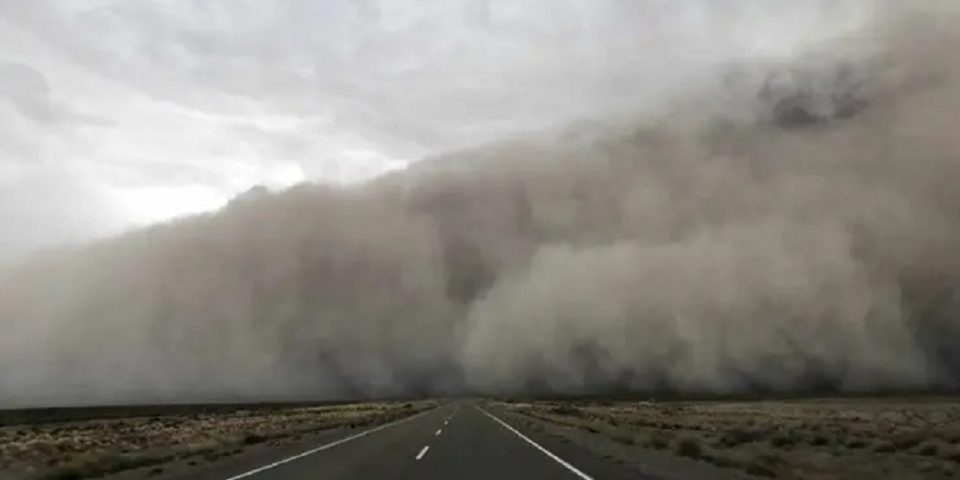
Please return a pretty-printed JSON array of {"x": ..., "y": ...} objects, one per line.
[{"x": 792, "y": 224}]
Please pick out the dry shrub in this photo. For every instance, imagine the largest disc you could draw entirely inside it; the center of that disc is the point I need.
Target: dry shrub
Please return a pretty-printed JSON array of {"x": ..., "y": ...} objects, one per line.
[
  {"x": 885, "y": 447},
  {"x": 782, "y": 440},
  {"x": 760, "y": 470},
  {"x": 690, "y": 447},
  {"x": 736, "y": 437},
  {"x": 929, "y": 449},
  {"x": 566, "y": 410},
  {"x": 659, "y": 440}
]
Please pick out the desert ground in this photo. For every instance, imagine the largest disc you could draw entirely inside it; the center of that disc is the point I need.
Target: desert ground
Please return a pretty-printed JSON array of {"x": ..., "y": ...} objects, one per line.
[
  {"x": 821, "y": 439},
  {"x": 78, "y": 443},
  {"x": 902, "y": 438}
]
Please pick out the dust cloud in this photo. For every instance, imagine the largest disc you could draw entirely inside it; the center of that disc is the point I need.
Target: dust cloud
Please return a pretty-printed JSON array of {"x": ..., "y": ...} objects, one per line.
[{"x": 792, "y": 225}]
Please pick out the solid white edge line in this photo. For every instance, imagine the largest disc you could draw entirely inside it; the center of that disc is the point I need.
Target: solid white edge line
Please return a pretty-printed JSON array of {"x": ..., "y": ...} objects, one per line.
[
  {"x": 423, "y": 452},
  {"x": 324, "y": 447},
  {"x": 536, "y": 445}
]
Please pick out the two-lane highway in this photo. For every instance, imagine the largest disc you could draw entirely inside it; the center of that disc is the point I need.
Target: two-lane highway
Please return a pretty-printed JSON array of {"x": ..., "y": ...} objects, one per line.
[{"x": 459, "y": 440}]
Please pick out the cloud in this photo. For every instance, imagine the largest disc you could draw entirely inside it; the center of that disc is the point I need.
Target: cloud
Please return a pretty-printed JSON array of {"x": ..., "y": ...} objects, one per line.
[
  {"x": 223, "y": 95},
  {"x": 27, "y": 91},
  {"x": 790, "y": 224}
]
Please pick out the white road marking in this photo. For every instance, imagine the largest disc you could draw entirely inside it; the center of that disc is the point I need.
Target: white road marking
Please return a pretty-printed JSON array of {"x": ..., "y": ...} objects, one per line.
[
  {"x": 423, "y": 452},
  {"x": 438, "y": 432},
  {"x": 446, "y": 422},
  {"x": 536, "y": 445},
  {"x": 323, "y": 447}
]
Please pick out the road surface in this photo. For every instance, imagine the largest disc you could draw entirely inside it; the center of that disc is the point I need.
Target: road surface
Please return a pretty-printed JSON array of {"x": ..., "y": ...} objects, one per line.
[{"x": 460, "y": 440}]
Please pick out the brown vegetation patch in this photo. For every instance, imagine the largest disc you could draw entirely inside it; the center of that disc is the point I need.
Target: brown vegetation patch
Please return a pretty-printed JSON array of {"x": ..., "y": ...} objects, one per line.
[
  {"x": 88, "y": 448},
  {"x": 838, "y": 439}
]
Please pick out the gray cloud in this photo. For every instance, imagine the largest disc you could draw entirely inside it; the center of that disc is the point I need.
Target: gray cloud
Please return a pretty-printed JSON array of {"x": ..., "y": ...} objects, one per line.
[
  {"x": 160, "y": 95},
  {"x": 27, "y": 91}
]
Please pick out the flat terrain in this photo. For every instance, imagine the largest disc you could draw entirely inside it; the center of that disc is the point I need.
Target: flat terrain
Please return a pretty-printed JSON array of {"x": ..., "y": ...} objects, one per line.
[
  {"x": 853, "y": 439},
  {"x": 827, "y": 439},
  {"x": 457, "y": 439},
  {"x": 86, "y": 443}
]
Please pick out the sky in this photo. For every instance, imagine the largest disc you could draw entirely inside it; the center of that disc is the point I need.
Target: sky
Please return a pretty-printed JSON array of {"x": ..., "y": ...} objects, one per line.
[{"x": 116, "y": 113}]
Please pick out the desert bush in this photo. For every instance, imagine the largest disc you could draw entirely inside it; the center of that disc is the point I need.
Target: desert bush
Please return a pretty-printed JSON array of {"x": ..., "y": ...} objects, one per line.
[
  {"x": 782, "y": 440},
  {"x": 736, "y": 437},
  {"x": 885, "y": 447},
  {"x": 723, "y": 461},
  {"x": 771, "y": 459},
  {"x": 71, "y": 473},
  {"x": 760, "y": 470},
  {"x": 621, "y": 436},
  {"x": 658, "y": 440},
  {"x": 856, "y": 443},
  {"x": 906, "y": 441},
  {"x": 953, "y": 456},
  {"x": 928, "y": 449},
  {"x": 566, "y": 410},
  {"x": 952, "y": 438},
  {"x": 690, "y": 447},
  {"x": 117, "y": 463}
]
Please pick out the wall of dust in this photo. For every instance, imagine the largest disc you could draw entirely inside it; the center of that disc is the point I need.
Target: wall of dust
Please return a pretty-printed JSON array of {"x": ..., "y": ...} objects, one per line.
[{"x": 792, "y": 225}]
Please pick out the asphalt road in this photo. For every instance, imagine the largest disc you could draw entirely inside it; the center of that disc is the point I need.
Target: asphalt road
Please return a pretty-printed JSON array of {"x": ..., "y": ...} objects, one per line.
[{"x": 459, "y": 440}]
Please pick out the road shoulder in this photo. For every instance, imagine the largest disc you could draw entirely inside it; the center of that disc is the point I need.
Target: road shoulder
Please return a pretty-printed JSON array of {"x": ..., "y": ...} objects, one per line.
[{"x": 644, "y": 463}]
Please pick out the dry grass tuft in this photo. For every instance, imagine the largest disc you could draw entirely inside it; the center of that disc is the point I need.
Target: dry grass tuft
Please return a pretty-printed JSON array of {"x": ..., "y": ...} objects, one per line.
[{"x": 689, "y": 447}]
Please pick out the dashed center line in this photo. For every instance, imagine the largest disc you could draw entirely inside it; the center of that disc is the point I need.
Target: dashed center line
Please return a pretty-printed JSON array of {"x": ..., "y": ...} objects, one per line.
[
  {"x": 423, "y": 452},
  {"x": 439, "y": 430}
]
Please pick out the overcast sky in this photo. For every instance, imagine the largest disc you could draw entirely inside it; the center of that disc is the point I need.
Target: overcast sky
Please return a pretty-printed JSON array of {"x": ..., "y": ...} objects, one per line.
[{"x": 118, "y": 113}]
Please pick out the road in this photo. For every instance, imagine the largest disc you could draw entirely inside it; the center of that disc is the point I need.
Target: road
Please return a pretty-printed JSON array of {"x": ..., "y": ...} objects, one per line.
[{"x": 459, "y": 440}]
